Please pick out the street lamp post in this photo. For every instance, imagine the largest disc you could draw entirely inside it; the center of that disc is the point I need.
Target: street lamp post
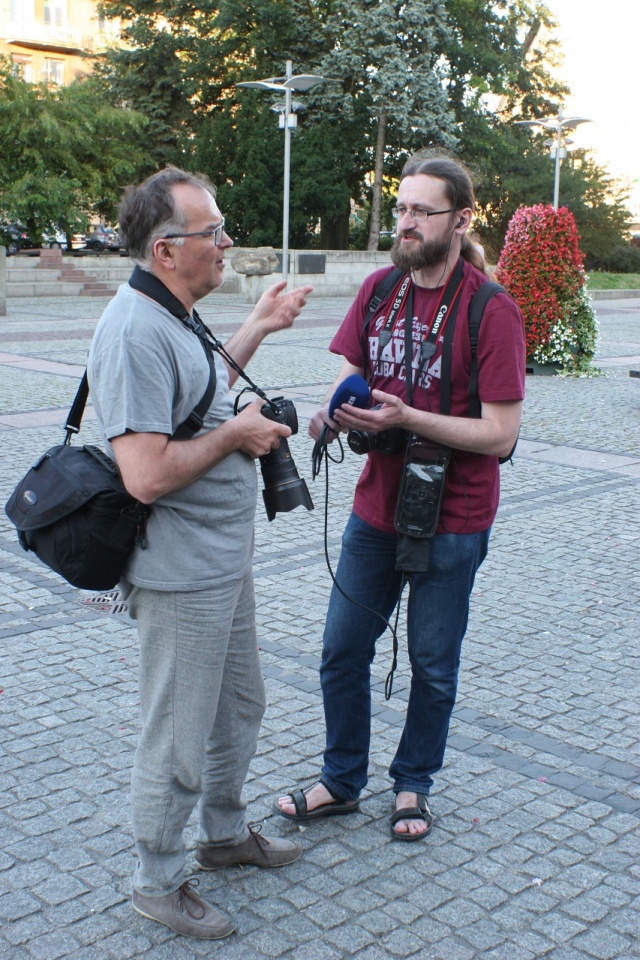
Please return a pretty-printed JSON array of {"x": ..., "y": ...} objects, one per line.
[
  {"x": 559, "y": 125},
  {"x": 288, "y": 120}
]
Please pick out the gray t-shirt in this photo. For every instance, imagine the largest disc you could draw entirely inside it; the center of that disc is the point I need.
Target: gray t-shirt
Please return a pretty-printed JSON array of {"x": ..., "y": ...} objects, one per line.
[{"x": 147, "y": 372}]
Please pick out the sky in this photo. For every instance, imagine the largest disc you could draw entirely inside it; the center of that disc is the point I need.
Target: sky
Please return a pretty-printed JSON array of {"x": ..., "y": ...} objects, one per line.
[{"x": 600, "y": 42}]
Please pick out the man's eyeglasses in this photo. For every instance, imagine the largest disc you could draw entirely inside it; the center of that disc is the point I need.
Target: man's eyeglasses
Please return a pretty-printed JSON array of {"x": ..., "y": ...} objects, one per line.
[
  {"x": 416, "y": 213},
  {"x": 215, "y": 232}
]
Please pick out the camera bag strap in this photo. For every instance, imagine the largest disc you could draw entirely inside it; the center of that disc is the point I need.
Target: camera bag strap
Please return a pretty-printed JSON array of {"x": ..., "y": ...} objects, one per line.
[{"x": 150, "y": 285}]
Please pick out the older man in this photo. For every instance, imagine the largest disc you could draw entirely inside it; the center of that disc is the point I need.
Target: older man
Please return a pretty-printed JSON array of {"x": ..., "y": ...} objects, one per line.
[{"x": 190, "y": 586}]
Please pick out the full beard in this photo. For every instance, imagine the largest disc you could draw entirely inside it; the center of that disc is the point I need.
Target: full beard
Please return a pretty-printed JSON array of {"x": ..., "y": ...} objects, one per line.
[{"x": 427, "y": 253}]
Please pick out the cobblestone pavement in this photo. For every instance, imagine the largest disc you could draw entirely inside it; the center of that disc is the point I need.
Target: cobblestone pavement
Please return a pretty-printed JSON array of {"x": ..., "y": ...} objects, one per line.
[{"x": 535, "y": 847}]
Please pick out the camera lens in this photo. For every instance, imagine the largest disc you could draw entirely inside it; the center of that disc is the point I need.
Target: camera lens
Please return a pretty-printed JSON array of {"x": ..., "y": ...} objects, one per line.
[
  {"x": 388, "y": 442},
  {"x": 284, "y": 489},
  {"x": 361, "y": 441}
]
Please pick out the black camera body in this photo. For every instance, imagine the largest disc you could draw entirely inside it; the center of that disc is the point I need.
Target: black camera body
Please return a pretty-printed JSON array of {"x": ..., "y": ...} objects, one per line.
[
  {"x": 282, "y": 411},
  {"x": 284, "y": 489},
  {"x": 388, "y": 442}
]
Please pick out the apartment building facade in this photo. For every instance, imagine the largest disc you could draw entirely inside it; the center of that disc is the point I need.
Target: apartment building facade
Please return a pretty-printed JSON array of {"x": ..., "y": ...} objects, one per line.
[{"x": 46, "y": 39}]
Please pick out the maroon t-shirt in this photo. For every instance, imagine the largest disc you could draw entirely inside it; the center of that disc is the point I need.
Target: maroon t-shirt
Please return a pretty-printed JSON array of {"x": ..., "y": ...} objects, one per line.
[{"x": 472, "y": 487}]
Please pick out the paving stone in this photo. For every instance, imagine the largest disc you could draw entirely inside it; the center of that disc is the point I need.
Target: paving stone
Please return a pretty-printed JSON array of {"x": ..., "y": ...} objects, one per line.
[
  {"x": 450, "y": 948},
  {"x": 402, "y": 943},
  {"x": 605, "y": 945},
  {"x": 535, "y": 848},
  {"x": 50, "y": 946},
  {"x": 349, "y": 938}
]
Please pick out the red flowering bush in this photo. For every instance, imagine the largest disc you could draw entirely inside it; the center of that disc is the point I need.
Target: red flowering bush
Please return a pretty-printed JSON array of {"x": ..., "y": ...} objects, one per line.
[{"x": 541, "y": 266}]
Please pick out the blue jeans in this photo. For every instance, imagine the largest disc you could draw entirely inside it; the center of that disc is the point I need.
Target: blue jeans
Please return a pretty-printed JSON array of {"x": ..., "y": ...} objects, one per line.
[{"x": 437, "y": 615}]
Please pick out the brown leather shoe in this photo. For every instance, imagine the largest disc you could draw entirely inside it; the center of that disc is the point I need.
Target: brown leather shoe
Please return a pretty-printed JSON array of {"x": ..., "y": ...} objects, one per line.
[
  {"x": 256, "y": 849},
  {"x": 185, "y": 912}
]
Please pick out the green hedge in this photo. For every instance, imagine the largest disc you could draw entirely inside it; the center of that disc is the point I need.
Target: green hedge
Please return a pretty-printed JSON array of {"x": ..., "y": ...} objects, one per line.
[{"x": 625, "y": 259}]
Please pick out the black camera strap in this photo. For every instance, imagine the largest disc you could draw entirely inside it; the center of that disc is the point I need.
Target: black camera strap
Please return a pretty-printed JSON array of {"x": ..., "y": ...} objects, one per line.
[
  {"x": 384, "y": 337},
  {"x": 445, "y": 310},
  {"x": 152, "y": 287}
]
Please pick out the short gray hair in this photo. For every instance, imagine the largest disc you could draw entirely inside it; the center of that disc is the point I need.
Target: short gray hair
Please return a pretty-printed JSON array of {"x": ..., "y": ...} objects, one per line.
[{"x": 149, "y": 211}]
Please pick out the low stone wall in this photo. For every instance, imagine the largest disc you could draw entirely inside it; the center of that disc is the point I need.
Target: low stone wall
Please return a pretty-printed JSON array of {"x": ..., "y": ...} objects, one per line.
[
  {"x": 614, "y": 294},
  {"x": 332, "y": 273}
]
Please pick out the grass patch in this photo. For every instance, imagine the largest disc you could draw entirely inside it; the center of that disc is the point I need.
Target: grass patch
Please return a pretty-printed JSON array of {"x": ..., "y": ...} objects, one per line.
[{"x": 613, "y": 281}]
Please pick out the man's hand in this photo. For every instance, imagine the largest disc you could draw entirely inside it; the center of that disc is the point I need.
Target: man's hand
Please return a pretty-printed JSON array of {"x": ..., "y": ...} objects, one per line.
[
  {"x": 258, "y": 435},
  {"x": 493, "y": 435},
  {"x": 319, "y": 420},
  {"x": 392, "y": 413},
  {"x": 276, "y": 310}
]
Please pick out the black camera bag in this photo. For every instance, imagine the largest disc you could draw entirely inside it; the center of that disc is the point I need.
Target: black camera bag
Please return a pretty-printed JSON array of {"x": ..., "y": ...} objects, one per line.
[{"x": 73, "y": 512}]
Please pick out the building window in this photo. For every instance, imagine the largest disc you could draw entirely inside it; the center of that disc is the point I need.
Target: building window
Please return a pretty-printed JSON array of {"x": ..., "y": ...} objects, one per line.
[
  {"x": 54, "y": 71},
  {"x": 22, "y": 67},
  {"x": 21, "y": 10},
  {"x": 55, "y": 13}
]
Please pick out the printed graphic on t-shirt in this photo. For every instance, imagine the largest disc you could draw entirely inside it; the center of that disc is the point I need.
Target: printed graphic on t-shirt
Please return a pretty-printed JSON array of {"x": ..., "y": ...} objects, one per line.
[{"x": 391, "y": 360}]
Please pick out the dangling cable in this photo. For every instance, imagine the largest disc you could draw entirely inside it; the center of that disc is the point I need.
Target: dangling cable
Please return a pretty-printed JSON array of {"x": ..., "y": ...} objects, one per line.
[
  {"x": 320, "y": 453},
  {"x": 388, "y": 684}
]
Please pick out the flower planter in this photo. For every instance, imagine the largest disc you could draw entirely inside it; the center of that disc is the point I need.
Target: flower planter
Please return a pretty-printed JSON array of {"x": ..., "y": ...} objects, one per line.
[
  {"x": 542, "y": 268},
  {"x": 533, "y": 368}
]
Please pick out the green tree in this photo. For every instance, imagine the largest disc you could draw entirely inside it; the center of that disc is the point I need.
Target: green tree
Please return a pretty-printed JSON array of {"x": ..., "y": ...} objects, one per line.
[
  {"x": 162, "y": 70},
  {"x": 386, "y": 54},
  {"x": 66, "y": 153},
  {"x": 502, "y": 68},
  {"x": 412, "y": 74},
  {"x": 241, "y": 146},
  {"x": 499, "y": 70}
]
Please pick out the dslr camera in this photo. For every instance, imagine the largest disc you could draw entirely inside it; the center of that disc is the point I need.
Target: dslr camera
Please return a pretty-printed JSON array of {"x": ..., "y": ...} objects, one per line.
[
  {"x": 284, "y": 489},
  {"x": 385, "y": 441}
]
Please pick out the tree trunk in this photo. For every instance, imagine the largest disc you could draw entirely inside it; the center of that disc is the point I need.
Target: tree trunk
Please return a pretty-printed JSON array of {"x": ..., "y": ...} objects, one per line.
[
  {"x": 334, "y": 232},
  {"x": 376, "y": 196}
]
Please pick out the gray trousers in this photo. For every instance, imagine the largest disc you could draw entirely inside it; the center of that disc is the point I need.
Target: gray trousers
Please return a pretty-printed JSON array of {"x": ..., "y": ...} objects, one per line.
[{"x": 202, "y": 698}]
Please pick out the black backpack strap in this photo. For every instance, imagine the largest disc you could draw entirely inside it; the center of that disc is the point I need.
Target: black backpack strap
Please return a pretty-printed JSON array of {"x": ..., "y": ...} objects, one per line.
[
  {"x": 380, "y": 294},
  {"x": 476, "y": 310}
]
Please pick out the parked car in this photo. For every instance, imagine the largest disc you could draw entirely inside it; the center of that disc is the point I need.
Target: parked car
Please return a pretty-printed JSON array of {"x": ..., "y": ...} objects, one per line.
[
  {"x": 14, "y": 237},
  {"x": 54, "y": 238},
  {"x": 102, "y": 238}
]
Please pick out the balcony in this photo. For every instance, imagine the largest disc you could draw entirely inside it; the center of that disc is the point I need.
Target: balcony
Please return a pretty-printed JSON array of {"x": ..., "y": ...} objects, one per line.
[{"x": 40, "y": 36}]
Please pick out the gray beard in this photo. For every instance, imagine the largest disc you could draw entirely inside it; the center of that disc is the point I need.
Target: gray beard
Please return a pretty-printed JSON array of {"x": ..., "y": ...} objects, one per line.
[{"x": 428, "y": 253}]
